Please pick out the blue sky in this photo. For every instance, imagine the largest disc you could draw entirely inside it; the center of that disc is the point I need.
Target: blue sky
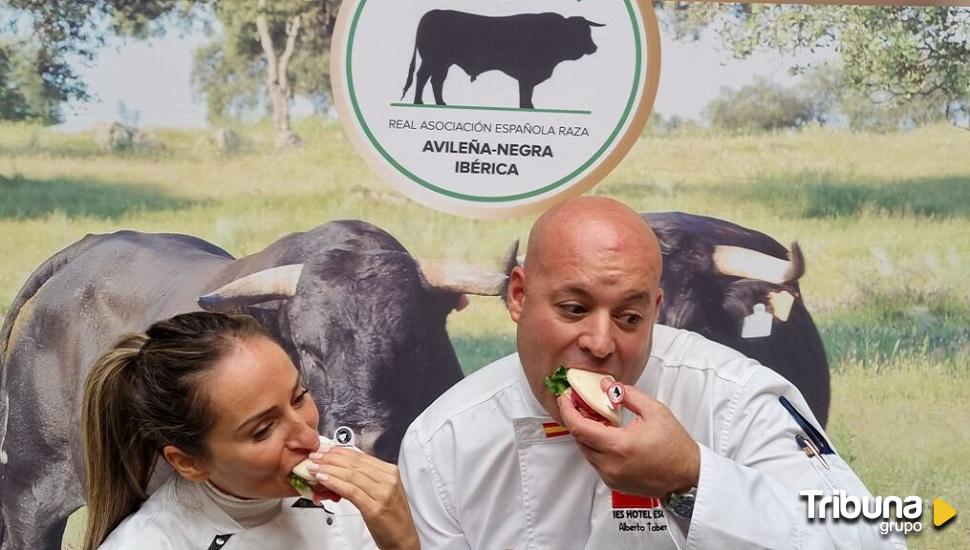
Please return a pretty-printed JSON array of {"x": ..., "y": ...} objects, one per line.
[{"x": 153, "y": 78}]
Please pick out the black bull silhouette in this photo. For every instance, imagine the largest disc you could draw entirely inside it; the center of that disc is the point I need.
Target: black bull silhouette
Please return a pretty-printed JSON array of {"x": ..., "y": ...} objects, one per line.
[
  {"x": 526, "y": 47},
  {"x": 316, "y": 291}
]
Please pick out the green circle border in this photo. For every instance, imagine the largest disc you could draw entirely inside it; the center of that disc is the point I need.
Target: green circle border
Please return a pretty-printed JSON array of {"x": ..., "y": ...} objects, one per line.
[{"x": 505, "y": 198}]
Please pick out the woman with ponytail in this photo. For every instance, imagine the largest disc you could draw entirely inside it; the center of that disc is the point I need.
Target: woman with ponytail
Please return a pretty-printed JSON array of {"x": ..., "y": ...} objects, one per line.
[{"x": 220, "y": 401}]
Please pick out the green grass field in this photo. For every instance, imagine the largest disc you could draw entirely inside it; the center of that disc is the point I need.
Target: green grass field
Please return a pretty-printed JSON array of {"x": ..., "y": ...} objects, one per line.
[{"x": 884, "y": 221}]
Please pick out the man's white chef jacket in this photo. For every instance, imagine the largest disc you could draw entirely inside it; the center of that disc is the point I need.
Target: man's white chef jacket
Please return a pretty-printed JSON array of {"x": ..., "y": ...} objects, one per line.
[
  {"x": 180, "y": 516},
  {"x": 485, "y": 467}
]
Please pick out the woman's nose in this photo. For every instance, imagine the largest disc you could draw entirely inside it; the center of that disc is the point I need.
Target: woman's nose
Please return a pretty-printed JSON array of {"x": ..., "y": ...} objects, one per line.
[{"x": 303, "y": 436}]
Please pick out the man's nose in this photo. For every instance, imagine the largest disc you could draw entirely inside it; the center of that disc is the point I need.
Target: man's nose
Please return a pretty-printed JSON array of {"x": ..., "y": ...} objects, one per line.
[{"x": 597, "y": 336}]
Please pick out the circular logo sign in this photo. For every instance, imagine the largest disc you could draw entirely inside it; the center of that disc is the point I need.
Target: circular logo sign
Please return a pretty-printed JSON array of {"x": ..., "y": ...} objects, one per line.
[{"x": 496, "y": 108}]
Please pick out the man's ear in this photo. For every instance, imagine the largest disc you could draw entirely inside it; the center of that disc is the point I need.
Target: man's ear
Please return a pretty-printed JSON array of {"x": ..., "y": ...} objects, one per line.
[
  {"x": 187, "y": 466},
  {"x": 516, "y": 297}
]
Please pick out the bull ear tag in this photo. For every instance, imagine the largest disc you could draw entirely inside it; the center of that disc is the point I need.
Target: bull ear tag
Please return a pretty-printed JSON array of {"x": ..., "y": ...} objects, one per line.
[{"x": 758, "y": 324}]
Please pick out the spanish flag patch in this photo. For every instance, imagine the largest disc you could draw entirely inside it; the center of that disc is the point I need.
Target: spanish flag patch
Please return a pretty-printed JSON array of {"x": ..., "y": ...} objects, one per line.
[{"x": 551, "y": 429}]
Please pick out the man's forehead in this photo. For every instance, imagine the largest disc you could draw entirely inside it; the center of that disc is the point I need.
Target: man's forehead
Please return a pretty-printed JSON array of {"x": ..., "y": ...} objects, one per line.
[
  {"x": 592, "y": 278},
  {"x": 565, "y": 267}
]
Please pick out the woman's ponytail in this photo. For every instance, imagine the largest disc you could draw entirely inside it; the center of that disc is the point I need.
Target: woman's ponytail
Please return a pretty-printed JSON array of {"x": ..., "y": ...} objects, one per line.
[{"x": 118, "y": 460}]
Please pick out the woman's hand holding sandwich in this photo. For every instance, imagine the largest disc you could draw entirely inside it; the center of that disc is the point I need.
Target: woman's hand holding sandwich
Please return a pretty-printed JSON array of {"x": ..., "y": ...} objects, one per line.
[{"x": 374, "y": 487}]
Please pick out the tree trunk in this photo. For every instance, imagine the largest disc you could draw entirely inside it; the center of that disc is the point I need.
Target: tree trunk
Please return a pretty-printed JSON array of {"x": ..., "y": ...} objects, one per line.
[{"x": 276, "y": 78}]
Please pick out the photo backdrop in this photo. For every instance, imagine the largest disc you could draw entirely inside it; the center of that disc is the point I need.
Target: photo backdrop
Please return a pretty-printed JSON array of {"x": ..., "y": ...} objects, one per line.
[{"x": 840, "y": 127}]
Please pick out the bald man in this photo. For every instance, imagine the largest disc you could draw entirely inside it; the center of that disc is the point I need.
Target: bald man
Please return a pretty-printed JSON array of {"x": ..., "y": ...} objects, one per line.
[{"x": 708, "y": 457}]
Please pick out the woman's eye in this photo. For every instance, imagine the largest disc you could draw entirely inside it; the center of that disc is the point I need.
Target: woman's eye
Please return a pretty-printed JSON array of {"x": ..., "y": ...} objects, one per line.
[
  {"x": 263, "y": 432},
  {"x": 299, "y": 399}
]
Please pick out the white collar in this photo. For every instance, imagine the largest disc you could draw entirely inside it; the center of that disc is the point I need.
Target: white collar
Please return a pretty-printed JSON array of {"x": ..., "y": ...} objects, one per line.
[{"x": 247, "y": 512}]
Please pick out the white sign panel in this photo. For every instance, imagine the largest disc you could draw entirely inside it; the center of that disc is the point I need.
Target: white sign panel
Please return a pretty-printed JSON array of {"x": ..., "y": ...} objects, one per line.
[{"x": 494, "y": 108}]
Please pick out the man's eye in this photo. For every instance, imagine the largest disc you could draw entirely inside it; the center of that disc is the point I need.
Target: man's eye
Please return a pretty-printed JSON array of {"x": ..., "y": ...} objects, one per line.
[
  {"x": 299, "y": 399},
  {"x": 631, "y": 319},
  {"x": 572, "y": 309}
]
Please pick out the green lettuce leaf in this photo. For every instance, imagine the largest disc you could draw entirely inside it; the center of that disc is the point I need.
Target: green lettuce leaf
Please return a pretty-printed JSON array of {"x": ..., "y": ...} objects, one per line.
[
  {"x": 557, "y": 383},
  {"x": 298, "y": 482}
]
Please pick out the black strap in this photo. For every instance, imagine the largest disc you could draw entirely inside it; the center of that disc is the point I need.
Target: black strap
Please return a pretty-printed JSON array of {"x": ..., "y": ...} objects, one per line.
[
  {"x": 813, "y": 433},
  {"x": 307, "y": 503},
  {"x": 219, "y": 541}
]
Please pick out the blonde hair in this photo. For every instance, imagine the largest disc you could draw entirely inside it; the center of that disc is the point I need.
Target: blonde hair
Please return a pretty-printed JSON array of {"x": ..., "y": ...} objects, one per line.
[{"x": 145, "y": 394}]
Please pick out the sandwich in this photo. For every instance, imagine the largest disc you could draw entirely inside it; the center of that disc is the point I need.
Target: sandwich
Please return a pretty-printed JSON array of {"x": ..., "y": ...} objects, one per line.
[
  {"x": 583, "y": 388},
  {"x": 301, "y": 479}
]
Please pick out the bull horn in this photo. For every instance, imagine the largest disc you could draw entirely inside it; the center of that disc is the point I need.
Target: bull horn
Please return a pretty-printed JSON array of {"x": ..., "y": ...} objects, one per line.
[
  {"x": 736, "y": 261},
  {"x": 461, "y": 278},
  {"x": 274, "y": 283},
  {"x": 592, "y": 24},
  {"x": 465, "y": 279}
]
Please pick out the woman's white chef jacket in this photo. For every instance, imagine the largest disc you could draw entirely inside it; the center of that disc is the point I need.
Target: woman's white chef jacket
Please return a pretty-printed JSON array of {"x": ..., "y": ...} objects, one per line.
[
  {"x": 180, "y": 516},
  {"x": 485, "y": 467}
]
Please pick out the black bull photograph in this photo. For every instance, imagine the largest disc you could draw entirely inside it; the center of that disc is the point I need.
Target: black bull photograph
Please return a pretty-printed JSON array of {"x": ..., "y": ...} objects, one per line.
[
  {"x": 526, "y": 47},
  {"x": 363, "y": 319}
]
